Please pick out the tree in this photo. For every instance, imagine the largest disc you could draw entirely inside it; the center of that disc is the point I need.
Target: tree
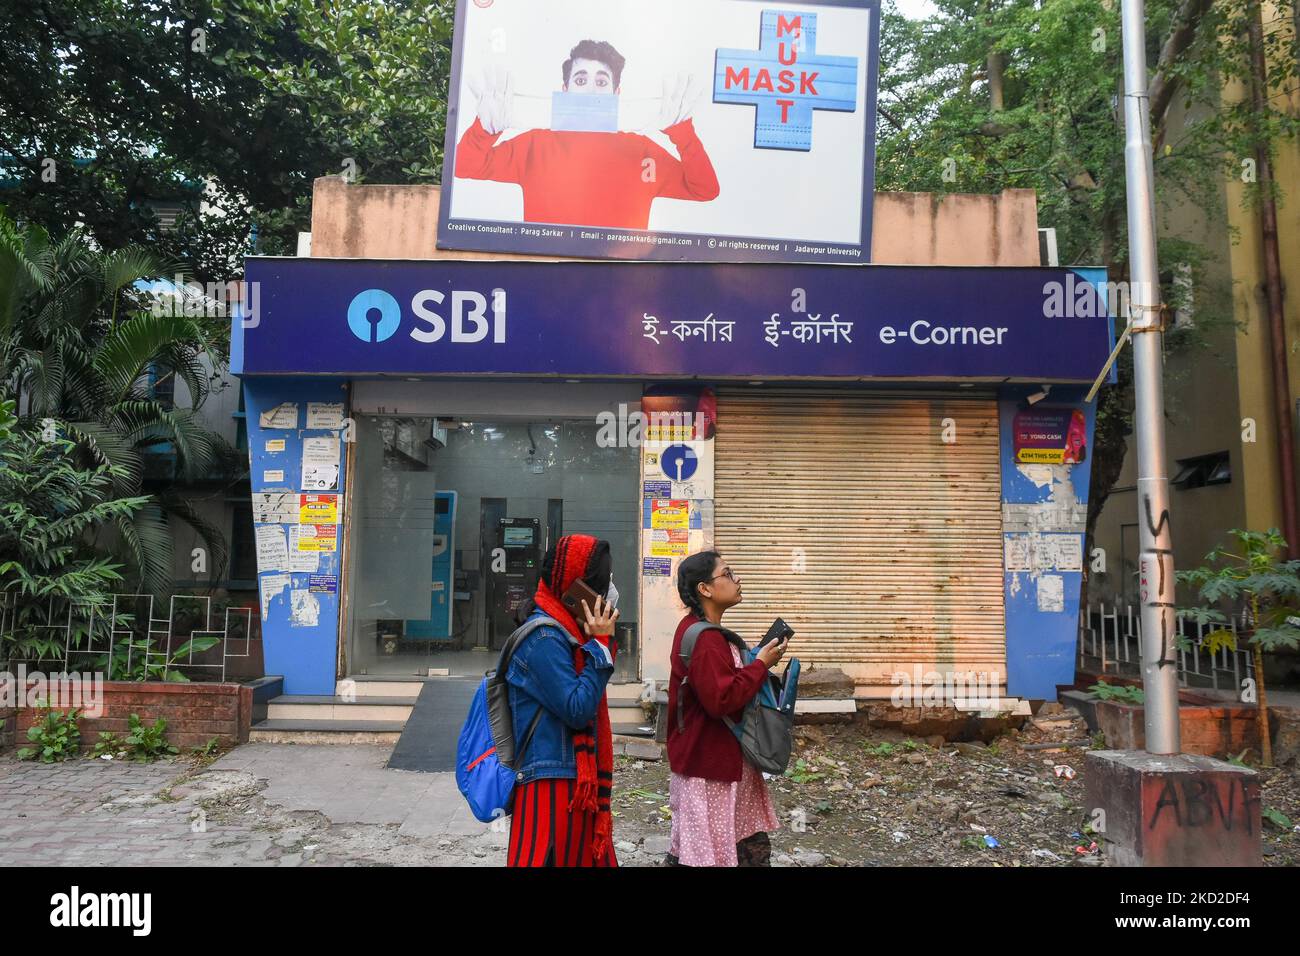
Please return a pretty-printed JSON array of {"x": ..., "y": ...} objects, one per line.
[
  {"x": 994, "y": 94},
  {"x": 50, "y": 511},
  {"x": 108, "y": 107},
  {"x": 78, "y": 347},
  {"x": 1267, "y": 588}
]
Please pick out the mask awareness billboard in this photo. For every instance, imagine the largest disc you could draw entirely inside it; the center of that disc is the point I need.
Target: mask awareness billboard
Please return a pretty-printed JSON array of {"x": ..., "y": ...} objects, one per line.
[{"x": 720, "y": 130}]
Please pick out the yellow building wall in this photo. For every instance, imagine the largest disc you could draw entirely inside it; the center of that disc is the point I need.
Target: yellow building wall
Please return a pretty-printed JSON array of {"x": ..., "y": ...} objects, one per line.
[{"x": 1254, "y": 381}]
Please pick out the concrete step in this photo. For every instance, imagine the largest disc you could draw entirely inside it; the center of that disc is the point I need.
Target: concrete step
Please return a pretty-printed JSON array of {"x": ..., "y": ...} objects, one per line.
[
  {"x": 628, "y": 713},
  {"x": 370, "y": 687},
  {"x": 632, "y": 730},
  {"x": 623, "y": 692},
  {"x": 639, "y": 747},
  {"x": 285, "y": 731},
  {"x": 321, "y": 707}
]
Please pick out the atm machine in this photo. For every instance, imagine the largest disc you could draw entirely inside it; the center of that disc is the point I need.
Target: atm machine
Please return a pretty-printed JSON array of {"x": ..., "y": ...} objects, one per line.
[
  {"x": 513, "y": 572},
  {"x": 438, "y": 627}
]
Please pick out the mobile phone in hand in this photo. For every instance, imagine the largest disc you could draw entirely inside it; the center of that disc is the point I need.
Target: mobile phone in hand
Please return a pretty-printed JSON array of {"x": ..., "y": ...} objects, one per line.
[
  {"x": 779, "y": 631},
  {"x": 579, "y": 593}
]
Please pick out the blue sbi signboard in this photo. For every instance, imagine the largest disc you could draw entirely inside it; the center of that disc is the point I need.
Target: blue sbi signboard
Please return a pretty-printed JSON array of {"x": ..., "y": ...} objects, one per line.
[{"x": 352, "y": 318}]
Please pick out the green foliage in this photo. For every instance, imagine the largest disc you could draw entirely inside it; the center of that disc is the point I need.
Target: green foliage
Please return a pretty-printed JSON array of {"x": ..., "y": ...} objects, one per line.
[
  {"x": 883, "y": 749},
  {"x": 108, "y": 745},
  {"x": 1124, "y": 693},
  {"x": 802, "y": 772},
  {"x": 56, "y": 735},
  {"x": 208, "y": 749},
  {"x": 266, "y": 96},
  {"x": 147, "y": 742},
  {"x": 7, "y": 419},
  {"x": 1277, "y": 818},
  {"x": 140, "y": 660},
  {"x": 80, "y": 343},
  {"x": 1255, "y": 575},
  {"x": 49, "y": 510},
  {"x": 1059, "y": 130}
]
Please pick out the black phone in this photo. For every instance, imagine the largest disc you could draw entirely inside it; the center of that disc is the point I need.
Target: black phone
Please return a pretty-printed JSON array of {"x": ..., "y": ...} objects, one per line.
[
  {"x": 578, "y": 593},
  {"x": 779, "y": 631}
]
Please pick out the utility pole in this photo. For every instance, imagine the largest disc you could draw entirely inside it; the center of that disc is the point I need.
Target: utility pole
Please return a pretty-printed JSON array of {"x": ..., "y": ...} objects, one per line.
[{"x": 1156, "y": 562}]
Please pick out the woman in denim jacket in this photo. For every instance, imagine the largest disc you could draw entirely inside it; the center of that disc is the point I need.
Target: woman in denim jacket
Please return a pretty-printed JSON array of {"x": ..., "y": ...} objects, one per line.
[{"x": 561, "y": 811}]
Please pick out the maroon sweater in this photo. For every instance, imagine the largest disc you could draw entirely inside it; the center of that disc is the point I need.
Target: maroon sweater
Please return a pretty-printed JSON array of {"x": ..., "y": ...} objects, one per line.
[{"x": 705, "y": 746}]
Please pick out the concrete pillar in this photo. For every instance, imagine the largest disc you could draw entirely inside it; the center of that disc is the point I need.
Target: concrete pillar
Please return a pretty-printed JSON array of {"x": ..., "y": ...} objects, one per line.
[{"x": 1180, "y": 810}]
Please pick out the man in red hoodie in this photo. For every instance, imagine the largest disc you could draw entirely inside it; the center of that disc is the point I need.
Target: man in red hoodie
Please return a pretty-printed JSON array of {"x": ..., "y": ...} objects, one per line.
[{"x": 589, "y": 178}]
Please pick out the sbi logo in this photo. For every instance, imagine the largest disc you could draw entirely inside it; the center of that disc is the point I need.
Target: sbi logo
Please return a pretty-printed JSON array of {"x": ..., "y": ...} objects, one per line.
[{"x": 375, "y": 316}]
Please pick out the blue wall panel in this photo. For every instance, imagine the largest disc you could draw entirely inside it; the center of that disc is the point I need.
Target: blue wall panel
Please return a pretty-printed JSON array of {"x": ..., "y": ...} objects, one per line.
[{"x": 304, "y": 654}]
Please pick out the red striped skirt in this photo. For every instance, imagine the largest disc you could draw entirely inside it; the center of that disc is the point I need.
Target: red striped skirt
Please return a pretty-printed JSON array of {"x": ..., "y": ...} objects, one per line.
[{"x": 543, "y": 831}]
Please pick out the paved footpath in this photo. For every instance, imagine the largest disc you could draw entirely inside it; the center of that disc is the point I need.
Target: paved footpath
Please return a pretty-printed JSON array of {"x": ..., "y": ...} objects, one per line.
[{"x": 259, "y": 805}]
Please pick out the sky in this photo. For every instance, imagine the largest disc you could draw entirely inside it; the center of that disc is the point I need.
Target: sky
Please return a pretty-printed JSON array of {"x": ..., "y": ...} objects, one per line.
[{"x": 915, "y": 9}]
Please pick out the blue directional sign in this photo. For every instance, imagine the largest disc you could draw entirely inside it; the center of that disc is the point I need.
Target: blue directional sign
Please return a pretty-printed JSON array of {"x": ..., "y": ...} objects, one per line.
[
  {"x": 679, "y": 462},
  {"x": 786, "y": 79}
]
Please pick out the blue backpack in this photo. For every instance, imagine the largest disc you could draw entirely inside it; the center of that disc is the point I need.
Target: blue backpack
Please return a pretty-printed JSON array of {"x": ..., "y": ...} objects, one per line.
[{"x": 486, "y": 753}]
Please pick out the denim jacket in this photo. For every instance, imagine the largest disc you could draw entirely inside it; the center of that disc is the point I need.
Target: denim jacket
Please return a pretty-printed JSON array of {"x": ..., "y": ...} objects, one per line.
[{"x": 542, "y": 674}]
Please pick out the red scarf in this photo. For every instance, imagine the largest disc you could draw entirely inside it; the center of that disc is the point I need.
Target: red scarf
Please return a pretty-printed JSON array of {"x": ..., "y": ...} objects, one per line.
[{"x": 594, "y": 752}]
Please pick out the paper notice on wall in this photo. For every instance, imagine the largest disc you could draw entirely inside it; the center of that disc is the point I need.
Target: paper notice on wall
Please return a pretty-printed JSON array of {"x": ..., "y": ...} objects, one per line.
[
  {"x": 1017, "y": 554},
  {"x": 656, "y": 489},
  {"x": 315, "y": 537},
  {"x": 320, "y": 464},
  {"x": 657, "y": 567},
  {"x": 1062, "y": 552},
  {"x": 284, "y": 415},
  {"x": 275, "y": 445},
  {"x": 318, "y": 509},
  {"x": 272, "y": 554},
  {"x": 304, "y": 608},
  {"x": 1042, "y": 552},
  {"x": 300, "y": 558},
  {"x": 325, "y": 415},
  {"x": 273, "y": 477},
  {"x": 275, "y": 507},
  {"x": 669, "y": 514},
  {"x": 1051, "y": 593},
  {"x": 668, "y": 543},
  {"x": 270, "y": 586}
]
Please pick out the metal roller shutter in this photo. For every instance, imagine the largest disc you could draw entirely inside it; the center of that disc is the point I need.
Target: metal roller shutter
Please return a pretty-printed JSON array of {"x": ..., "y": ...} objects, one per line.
[{"x": 847, "y": 514}]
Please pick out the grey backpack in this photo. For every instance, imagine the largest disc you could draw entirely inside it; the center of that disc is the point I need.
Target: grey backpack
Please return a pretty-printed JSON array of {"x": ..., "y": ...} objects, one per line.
[
  {"x": 498, "y": 696},
  {"x": 765, "y": 731}
]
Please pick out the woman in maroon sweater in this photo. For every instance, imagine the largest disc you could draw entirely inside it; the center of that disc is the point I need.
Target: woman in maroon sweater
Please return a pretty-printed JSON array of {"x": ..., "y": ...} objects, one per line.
[{"x": 721, "y": 807}]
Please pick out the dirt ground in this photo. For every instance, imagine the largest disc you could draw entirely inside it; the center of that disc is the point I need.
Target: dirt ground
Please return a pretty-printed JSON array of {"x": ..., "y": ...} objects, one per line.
[
  {"x": 854, "y": 796},
  {"x": 861, "y": 797}
]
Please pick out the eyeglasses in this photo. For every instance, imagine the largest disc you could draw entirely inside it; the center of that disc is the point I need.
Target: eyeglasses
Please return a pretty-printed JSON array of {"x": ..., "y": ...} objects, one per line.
[{"x": 726, "y": 574}]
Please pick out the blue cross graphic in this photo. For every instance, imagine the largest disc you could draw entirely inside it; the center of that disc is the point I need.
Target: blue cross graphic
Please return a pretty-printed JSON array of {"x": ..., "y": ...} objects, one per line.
[{"x": 786, "y": 79}]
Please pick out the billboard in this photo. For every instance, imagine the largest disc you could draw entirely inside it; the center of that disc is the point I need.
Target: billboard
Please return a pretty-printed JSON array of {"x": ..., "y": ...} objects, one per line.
[{"x": 717, "y": 130}]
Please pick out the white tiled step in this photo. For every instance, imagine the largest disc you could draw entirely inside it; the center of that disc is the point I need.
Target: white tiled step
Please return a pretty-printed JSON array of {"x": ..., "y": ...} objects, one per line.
[
  {"x": 310, "y": 707},
  {"x": 623, "y": 692},
  {"x": 379, "y": 688},
  {"x": 626, "y": 713},
  {"x": 822, "y": 705}
]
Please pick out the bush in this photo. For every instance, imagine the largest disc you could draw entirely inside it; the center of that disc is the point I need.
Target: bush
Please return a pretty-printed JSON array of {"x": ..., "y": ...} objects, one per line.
[{"x": 57, "y": 737}]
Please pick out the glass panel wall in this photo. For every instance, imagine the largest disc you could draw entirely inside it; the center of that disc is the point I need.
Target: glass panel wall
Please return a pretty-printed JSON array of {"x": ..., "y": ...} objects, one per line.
[{"x": 450, "y": 523}]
